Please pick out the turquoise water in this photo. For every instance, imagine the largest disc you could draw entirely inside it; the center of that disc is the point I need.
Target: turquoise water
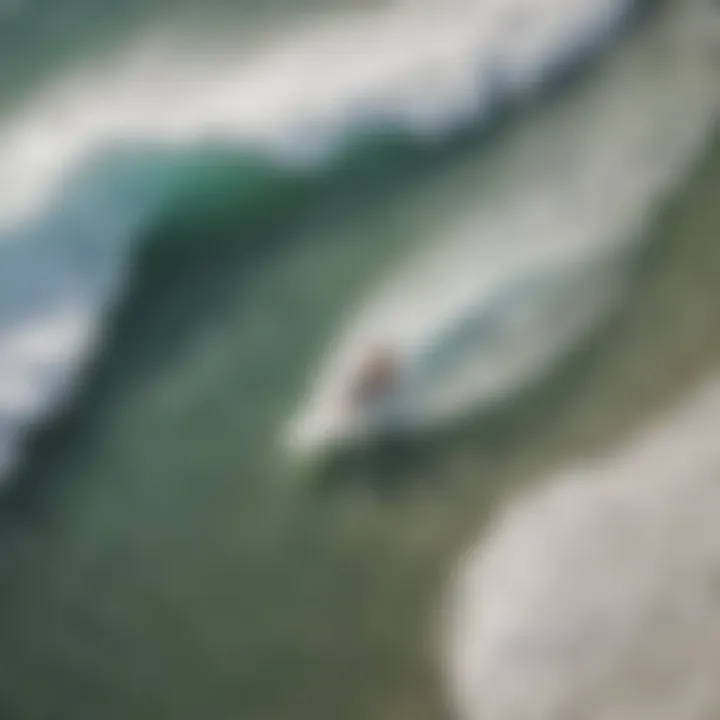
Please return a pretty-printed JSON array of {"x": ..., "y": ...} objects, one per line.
[{"x": 158, "y": 555}]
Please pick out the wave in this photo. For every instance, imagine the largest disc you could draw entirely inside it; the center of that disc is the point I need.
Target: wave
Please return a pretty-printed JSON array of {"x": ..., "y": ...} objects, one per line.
[
  {"x": 93, "y": 163},
  {"x": 409, "y": 69},
  {"x": 521, "y": 272},
  {"x": 595, "y": 596}
]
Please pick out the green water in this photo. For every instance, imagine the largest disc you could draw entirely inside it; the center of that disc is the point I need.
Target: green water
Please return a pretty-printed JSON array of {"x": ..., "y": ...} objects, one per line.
[{"x": 159, "y": 559}]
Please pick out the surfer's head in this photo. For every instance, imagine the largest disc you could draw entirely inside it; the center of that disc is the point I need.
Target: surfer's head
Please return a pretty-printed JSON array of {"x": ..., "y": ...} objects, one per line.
[{"x": 375, "y": 380}]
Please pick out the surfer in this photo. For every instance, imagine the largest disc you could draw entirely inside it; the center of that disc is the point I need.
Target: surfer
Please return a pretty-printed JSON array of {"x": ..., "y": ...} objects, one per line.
[{"x": 376, "y": 379}]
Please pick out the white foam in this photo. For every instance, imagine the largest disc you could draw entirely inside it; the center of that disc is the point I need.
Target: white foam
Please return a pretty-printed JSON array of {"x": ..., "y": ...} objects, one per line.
[
  {"x": 596, "y": 596},
  {"x": 519, "y": 272},
  {"x": 421, "y": 67}
]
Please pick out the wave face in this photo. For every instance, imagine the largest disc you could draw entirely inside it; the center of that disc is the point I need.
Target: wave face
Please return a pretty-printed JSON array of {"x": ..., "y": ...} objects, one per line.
[
  {"x": 92, "y": 162},
  {"x": 520, "y": 273},
  {"x": 596, "y": 595}
]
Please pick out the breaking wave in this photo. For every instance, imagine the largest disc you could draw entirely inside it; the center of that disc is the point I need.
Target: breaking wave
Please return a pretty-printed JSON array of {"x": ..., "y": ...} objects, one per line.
[{"x": 89, "y": 165}]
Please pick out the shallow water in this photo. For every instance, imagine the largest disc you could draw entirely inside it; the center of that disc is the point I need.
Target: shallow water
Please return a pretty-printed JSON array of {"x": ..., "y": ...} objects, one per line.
[{"x": 159, "y": 559}]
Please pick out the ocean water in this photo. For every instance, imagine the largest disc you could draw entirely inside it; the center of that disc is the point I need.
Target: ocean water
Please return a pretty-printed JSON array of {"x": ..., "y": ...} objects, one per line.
[{"x": 196, "y": 204}]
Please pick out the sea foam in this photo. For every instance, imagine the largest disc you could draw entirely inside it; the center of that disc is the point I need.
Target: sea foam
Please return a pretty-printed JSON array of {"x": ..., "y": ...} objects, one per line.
[{"x": 596, "y": 594}]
